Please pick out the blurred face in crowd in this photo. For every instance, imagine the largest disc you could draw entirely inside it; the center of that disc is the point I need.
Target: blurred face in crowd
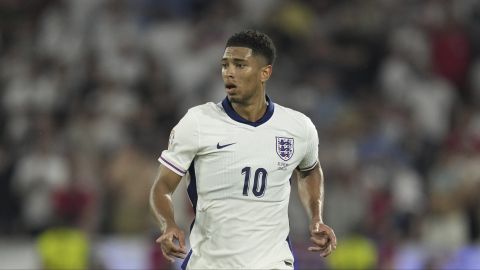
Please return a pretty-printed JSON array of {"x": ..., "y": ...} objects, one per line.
[{"x": 244, "y": 74}]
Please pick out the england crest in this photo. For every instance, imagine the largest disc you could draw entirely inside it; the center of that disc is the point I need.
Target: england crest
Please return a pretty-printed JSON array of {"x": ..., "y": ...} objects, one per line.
[{"x": 284, "y": 148}]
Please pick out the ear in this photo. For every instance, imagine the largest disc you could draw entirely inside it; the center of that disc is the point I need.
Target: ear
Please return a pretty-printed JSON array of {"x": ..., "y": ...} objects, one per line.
[{"x": 265, "y": 73}]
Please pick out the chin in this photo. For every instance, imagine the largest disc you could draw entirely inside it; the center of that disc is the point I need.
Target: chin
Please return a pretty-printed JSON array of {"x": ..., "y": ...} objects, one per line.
[{"x": 233, "y": 98}]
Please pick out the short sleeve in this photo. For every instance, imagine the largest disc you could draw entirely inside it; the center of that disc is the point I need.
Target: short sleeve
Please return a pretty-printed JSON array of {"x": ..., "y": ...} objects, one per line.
[
  {"x": 310, "y": 160},
  {"x": 182, "y": 145}
]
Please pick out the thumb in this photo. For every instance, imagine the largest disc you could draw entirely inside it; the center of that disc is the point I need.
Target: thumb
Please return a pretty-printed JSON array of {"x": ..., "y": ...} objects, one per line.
[{"x": 159, "y": 239}]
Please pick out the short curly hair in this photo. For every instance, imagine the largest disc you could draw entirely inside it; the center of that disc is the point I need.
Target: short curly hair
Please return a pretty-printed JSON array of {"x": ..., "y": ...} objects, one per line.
[{"x": 259, "y": 42}]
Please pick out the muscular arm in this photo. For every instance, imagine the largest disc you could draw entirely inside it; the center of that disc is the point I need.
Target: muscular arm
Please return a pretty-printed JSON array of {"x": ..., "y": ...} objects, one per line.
[
  {"x": 162, "y": 207},
  {"x": 310, "y": 189},
  {"x": 161, "y": 196}
]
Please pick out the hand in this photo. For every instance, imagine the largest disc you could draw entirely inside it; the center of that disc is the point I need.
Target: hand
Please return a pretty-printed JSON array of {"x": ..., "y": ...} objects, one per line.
[
  {"x": 323, "y": 238},
  {"x": 169, "y": 248}
]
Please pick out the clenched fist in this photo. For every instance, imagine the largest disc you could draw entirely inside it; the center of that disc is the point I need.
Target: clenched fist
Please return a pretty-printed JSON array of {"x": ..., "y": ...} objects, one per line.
[
  {"x": 323, "y": 238},
  {"x": 168, "y": 243}
]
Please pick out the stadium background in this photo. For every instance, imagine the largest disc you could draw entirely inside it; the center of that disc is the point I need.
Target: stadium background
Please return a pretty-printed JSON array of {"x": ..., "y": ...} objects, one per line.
[{"x": 90, "y": 90}]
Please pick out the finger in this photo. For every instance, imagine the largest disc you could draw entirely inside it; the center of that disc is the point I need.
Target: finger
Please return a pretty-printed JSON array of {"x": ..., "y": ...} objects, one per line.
[
  {"x": 169, "y": 258},
  {"x": 180, "y": 255},
  {"x": 319, "y": 230},
  {"x": 315, "y": 249},
  {"x": 326, "y": 251},
  {"x": 169, "y": 246},
  {"x": 164, "y": 237},
  {"x": 325, "y": 231},
  {"x": 177, "y": 249},
  {"x": 332, "y": 238},
  {"x": 322, "y": 242},
  {"x": 181, "y": 240},
  {"x": 319, "y": 248}
]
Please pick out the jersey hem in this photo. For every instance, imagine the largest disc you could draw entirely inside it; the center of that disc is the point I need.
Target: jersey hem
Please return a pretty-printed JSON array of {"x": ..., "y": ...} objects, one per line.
[{"x": 309, "y": 167}]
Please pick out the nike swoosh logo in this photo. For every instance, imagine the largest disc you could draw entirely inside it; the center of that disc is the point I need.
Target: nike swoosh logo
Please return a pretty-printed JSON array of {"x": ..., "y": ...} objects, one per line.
[{"x": 223, "y": 146}]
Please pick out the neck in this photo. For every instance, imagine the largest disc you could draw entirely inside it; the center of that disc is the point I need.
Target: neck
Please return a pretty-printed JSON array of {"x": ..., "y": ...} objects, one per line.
[{"x": 252, "y": 110}]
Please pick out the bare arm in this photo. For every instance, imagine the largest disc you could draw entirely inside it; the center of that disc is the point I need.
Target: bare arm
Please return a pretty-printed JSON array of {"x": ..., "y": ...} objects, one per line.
[
  {"x": 310, "y": 189},
  {"x": 162, "y": 207}
]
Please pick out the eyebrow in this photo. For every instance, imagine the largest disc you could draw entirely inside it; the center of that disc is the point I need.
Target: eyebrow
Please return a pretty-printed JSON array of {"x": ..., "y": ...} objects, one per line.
[{"x": 234, "y": 59}]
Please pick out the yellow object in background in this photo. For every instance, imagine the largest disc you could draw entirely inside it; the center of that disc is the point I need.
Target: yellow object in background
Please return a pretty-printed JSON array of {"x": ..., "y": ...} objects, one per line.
[
  {"x": 354, "y": 253},
  {"x": 63, "y": 248}
]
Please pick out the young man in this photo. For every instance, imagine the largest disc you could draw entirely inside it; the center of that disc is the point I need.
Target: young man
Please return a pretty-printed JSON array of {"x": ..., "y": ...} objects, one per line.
[{"x": 238, "y": 156}]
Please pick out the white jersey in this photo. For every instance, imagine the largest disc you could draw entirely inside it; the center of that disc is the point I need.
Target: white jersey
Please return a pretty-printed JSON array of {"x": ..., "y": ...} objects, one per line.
[{"x": 238, "y": 176}]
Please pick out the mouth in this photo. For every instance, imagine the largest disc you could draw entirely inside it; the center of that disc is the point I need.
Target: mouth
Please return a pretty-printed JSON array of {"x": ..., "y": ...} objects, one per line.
[{"x": 230, "y": 87}]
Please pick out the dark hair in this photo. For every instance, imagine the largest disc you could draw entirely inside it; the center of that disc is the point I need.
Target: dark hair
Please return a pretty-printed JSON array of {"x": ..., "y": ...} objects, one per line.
[{"x": 260, "y": 43}]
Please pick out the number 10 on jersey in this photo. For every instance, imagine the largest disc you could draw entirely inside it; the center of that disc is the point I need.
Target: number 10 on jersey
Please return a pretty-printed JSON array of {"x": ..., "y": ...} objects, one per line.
[{"x": 260, "y": 175}]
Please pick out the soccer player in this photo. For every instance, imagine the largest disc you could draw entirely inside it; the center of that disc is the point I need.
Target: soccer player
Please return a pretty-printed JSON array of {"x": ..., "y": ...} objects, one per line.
[{"x": 238, "y": 157}]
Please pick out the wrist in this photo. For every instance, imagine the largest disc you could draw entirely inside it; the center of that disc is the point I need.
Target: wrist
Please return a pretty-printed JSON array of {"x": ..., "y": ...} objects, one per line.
[
  {"x": 317, "y": 219},
  {"x": 167, "y": 224},
  {"x": 170, "y": 224}
]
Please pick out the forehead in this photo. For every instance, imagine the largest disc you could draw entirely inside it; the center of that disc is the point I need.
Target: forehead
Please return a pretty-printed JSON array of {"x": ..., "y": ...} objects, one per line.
[{"x": 243, "y": 53}]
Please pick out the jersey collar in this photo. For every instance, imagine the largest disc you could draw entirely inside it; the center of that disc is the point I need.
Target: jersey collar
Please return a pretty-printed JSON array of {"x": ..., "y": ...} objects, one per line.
[{"x": 227, "y": 106}]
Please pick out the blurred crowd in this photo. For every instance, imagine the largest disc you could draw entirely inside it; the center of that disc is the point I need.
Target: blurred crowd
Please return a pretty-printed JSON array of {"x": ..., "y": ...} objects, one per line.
[{"x": 89, "y": 91}]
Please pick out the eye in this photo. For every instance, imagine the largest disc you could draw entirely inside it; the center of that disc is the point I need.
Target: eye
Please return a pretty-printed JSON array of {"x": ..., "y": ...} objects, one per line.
[
  {"x": 238, "y": 65},
  {"x": 224, "y": 65}
]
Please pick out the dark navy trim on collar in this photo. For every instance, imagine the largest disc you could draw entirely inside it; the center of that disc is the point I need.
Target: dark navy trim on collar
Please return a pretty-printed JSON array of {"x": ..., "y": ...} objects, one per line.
[{"x": 227, "y": 106}]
